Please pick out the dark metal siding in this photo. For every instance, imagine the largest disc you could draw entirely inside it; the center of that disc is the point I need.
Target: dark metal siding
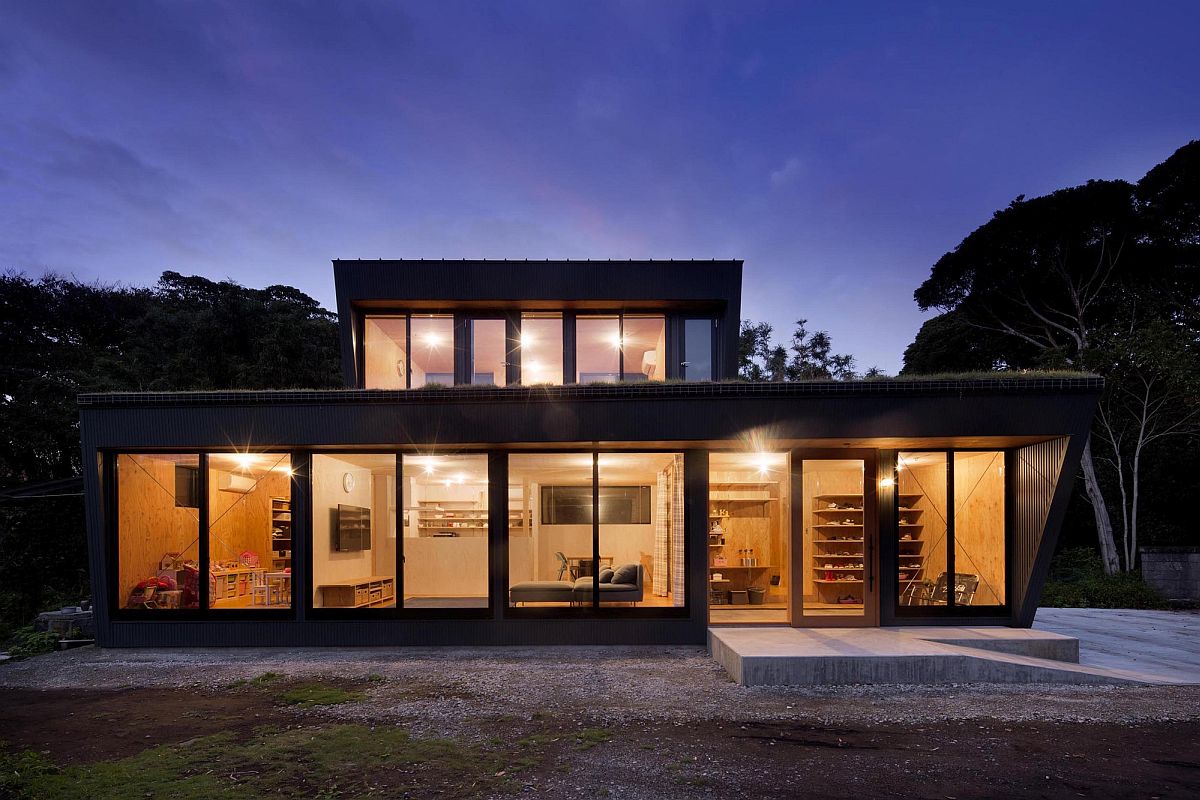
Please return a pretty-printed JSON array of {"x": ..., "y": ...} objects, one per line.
[{"x": 1044, "y": 481}]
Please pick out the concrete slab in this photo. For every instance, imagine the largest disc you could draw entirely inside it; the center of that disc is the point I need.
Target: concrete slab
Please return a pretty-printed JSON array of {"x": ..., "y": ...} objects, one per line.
[
  {"x": 1161, "y": 646},
  {"x": 830, "y": 656}
]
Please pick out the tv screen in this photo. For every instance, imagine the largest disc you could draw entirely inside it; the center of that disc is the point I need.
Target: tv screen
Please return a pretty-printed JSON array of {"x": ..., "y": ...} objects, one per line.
[{"x": 353, "y": 529}]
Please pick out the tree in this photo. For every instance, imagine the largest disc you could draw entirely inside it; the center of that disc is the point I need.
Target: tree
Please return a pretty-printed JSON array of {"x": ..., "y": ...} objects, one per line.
[
  {"x": 949, "y": 343},
  {"x": 1045, "y": 279},
  {"x": 809, "y": 356},
  {"x": 1153, "y": 393}
]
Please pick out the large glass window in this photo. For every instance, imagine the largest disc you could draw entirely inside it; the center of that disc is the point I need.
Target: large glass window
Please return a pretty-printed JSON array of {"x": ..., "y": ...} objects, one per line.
[
  {"x": 979, "y": 552},
  {"x": 553, "y": 520},
  {"x": 922, "y": 528},
  {"x": 432, "y": 350},
  {"x": 597, "y": 349},
  {"x": 749, "y": 537},
  {"x": 354, "y": 531},
  {"x": 489, "y": 352},
  {"x": 951, "y": 559},
  {"x": 385, "y": 352},
  {"x": 641, "y": 530},
  {"x": 541, "y": 348},
  {"x": 158, "y": 531},
  {"x": 698, "y": 349},
  {"x": 549, "y": 542},
  {"x": 249, "y": 530},
  {"x": 445, "y": 531},
  {"x": 644, "y": 344}
]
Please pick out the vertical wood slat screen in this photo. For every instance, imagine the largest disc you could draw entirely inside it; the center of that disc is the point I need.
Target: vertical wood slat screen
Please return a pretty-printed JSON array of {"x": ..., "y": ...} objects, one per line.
[{"x": 1038, "y": 468}]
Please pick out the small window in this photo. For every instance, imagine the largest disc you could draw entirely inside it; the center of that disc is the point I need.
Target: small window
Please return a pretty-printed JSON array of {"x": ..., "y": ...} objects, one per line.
[{"x": 619, "y": 505}]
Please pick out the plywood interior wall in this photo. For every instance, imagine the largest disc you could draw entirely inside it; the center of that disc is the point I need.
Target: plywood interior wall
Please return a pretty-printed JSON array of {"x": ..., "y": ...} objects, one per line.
[
  {"x": 927, "y": 479},
  {"x": 373, "y": 488},
  {"x": 979, "y": 522},
  {"x": 242, "y": 522},
  {"x": 149, "y": 524},
  {"x": 757, "y": 526}
]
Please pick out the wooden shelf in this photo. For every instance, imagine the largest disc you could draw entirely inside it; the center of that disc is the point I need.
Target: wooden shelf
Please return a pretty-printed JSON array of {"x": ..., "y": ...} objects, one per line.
[
  {"x": 739, "y": 566},
  {"x": 856, "y": 580}
]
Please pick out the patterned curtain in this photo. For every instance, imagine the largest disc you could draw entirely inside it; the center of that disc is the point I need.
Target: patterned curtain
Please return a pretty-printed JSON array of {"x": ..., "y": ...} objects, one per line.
[
  {"x": 678, "y": 571},
  {"x": 662, "y": 541}
]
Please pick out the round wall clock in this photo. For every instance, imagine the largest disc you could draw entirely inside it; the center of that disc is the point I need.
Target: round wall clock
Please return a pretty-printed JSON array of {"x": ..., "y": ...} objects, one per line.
[{"x": 348, "y": 481}]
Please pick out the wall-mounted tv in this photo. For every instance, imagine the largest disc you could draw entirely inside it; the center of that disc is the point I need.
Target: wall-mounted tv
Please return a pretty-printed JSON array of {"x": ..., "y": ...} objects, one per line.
[{"x": 353, "y": 530}]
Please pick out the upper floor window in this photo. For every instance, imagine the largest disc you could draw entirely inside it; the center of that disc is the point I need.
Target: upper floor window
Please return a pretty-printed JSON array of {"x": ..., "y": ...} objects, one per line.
[
  {"x": 542, "y": 348},
  {"x": 620, "y": 347},
  {"x": 432, "y": 350},
  {"x": 385, "y": 353},
  {"x": 489, "y": 352}
]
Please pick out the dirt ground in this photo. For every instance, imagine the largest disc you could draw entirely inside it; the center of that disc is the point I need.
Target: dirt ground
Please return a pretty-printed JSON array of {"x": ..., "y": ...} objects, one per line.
[{"x": 655, "y": 722}]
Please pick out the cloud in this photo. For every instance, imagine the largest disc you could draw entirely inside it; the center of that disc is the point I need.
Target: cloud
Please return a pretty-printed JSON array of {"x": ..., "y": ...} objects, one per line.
[{"x": 788, "y": 173}]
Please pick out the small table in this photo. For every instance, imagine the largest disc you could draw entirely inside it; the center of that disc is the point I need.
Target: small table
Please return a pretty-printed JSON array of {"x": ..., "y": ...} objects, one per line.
[
  {"x": 581, "y": 566},
  {"x": 279, "y": 585}
]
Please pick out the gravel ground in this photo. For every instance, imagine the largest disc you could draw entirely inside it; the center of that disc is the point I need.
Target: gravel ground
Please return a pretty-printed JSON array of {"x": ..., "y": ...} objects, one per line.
[{"x": 437, "y": 689}]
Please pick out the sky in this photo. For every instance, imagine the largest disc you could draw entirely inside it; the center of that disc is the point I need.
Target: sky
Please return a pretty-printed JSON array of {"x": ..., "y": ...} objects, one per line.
[{"x": 838, "y": 148}]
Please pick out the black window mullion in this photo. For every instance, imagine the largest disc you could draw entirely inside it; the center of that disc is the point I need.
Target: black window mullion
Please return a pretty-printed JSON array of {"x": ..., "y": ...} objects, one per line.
[
  {"x": 620, "y": 347},
  {"x": 398, "y": 569},
  {"x": 569, "y": 359},
  {"x": 951, "y": 513},
  {"x": 205, "y": 566},
  {"x": 595, "y": 529},
  {"x": 407, "y": 351}
]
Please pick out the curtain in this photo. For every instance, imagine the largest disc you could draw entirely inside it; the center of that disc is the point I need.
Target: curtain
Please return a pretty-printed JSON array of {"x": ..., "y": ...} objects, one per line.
[
  {"x": 662, "y": 541},
  {"x": 678, "y": 570}
]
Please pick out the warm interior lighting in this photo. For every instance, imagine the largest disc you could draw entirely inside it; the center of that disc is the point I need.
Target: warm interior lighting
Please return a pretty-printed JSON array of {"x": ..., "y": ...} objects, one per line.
[
  {"x": 534, "y": 366},
  {"x": 763, "y": 462},
  {"x": 527, "y": 340},
  {"x": 617, "y": 341},
  {"x": 885, "y": 482},
  {"x": 244, "y": 461},
  {"x": 432, "y": 338}
]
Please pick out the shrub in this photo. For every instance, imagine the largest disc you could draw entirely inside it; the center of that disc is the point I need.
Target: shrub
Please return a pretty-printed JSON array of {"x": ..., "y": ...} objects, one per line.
[
  {"x": 1077, "y": 580},
  {"x": 25, "y": 643}
]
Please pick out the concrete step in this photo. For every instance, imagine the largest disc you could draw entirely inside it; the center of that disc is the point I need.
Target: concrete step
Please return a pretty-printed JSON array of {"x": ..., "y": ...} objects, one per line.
[{"x": 832, "y": 656}]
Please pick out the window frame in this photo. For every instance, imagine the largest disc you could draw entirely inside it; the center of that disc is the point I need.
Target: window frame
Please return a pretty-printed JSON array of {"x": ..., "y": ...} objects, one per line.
[
  {"x": 713, "y": 350},
  {"x": 112, "y": 531},
  {"x": 952, "y": 609},
  {"x": 595, "y": 610}
]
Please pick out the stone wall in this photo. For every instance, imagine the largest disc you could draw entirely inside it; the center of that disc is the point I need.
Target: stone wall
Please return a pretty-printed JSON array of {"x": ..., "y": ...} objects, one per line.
[{"x": 1173, "y": 571}]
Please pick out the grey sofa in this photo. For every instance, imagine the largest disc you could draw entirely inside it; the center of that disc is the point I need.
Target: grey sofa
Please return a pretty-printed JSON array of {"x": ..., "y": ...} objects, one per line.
[{"x": 579, "y": 592}]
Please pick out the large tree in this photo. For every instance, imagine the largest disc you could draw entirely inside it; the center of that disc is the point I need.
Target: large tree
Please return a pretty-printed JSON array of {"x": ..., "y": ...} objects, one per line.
[{"x": 1069, "y": 279}]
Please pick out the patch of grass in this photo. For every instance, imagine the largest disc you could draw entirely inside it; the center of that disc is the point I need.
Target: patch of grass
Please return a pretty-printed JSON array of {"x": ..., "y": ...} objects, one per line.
[
  {"x": 331, "y": 761},
  {"x": 588, "y": 738},
  {"x": 375, "y": 677},
  {"x": 1077, "y": 580},
  {"x": 318, "y": 694},
  {"x": 25, "y": 643},
  {"x": 265, "y": 678}
]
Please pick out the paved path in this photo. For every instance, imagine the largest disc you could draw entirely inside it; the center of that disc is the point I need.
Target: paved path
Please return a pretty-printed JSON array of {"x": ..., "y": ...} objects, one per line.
[{"x": 1164, "y": 645}]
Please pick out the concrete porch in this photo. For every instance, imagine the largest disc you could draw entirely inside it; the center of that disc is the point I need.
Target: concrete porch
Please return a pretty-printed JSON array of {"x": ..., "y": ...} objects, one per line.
[{"x": 779, "y": 656}]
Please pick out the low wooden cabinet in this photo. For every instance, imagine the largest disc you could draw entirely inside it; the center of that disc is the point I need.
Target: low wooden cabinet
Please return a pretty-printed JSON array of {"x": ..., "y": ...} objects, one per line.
[{"x": 358, "y": 593}]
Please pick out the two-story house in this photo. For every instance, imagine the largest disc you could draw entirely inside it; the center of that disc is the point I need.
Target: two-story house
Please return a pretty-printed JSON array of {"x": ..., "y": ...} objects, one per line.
[{"x": 560, "y": 452}]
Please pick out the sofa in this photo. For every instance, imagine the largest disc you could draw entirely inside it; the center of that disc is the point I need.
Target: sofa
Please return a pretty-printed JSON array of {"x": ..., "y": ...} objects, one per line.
[{"x": 621, "y": 584}]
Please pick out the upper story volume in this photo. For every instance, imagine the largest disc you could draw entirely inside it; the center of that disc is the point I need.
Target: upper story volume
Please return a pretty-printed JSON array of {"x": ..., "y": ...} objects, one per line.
[{"x": 410, "y": 323}]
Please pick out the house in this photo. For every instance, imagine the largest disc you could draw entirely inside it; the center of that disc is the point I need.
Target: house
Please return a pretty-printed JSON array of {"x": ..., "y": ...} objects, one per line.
[{"x": 558, "y": 452}]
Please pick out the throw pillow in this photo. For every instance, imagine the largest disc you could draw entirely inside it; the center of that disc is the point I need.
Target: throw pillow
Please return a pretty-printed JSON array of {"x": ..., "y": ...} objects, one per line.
[
  {"x": 606, "y": 575},
  {"x": 626, "y": 573}
]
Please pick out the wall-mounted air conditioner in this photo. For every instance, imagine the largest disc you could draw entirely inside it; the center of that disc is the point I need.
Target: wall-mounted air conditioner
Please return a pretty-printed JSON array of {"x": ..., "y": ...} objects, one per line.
[{"x": 232, "y": 482}]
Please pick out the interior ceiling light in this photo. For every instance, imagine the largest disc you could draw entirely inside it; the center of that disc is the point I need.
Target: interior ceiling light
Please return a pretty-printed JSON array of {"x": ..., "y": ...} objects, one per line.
[
  {"x": 432, "y": 338},
  {"x": 244, "y": 460}
]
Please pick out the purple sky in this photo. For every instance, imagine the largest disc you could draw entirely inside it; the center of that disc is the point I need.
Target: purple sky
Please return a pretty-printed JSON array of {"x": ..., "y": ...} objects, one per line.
[{"x": 838, "y": 148}]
